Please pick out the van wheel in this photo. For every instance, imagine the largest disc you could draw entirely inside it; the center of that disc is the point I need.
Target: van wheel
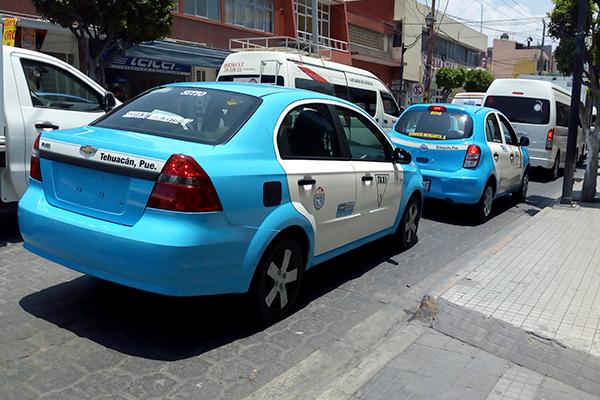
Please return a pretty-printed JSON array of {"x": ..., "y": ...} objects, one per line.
[
  {"x": 521, "y": 194},
  {"x": 409, "y": 224},
  {"x": 554, "y": 172},
  {"x": 483, "y": 208},
  {"x": 277, "y": 280}
]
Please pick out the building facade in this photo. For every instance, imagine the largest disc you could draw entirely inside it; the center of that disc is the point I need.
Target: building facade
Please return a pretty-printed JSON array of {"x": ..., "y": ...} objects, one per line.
[{"x": 509, "y": 59}]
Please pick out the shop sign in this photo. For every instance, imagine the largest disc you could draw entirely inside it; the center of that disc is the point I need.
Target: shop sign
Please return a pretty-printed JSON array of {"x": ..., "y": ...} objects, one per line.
[
  {"x": 10, "y": 31},
  {"x": 150, "y": 65}
]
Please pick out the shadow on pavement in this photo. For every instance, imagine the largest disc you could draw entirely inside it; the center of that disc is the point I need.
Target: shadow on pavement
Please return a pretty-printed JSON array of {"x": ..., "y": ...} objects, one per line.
[
  {"x": 462, "y": 214},
  {"x": 167, "y": 328},
  {"x": 9, "y": 226}
]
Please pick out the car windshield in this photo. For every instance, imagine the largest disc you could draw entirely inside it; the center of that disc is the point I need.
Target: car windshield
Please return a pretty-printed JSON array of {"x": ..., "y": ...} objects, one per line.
[
  {"x": 525, "y": 110},
  {"x": 196, "y": 114},
  {"x": 435, "y": 125}
]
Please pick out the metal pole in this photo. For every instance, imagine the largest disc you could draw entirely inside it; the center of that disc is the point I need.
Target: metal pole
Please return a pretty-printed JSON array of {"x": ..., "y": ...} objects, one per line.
[
  {"x": 315, "y": 24},
  {"x": 428, "y": 66},
  {"x": 481, "y": 20},
  {"x": 567, "y": 192},
  {"x": 541, "y": 60}
]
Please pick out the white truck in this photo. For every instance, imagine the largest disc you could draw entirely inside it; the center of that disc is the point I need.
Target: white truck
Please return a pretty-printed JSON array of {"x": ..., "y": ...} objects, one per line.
[{"x": 39, "y": 92}]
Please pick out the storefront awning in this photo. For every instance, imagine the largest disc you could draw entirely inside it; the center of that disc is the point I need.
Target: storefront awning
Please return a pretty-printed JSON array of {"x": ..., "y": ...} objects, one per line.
[{"x": 169, "y": 57}]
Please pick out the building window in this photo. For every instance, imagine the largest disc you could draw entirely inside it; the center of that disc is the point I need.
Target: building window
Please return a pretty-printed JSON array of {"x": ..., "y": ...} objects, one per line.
[
  {"x": 366, "y": 37},
  {"x": 203, "y": 8},
  {"x": 304, "y": 18},
  {"x": 254, "y": 14}
]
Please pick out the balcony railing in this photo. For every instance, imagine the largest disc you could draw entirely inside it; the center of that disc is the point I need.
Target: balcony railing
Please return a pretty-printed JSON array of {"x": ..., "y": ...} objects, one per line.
[{"x": 302, "y": 43}]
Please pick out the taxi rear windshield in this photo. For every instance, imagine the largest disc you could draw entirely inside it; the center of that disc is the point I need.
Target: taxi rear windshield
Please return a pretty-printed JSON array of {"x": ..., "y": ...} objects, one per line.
[
  {"x": 187, "y": 113},
  {"x": 435, "y": 125}
]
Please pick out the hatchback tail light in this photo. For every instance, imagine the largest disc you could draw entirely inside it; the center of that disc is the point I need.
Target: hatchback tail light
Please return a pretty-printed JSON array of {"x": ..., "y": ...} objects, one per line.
[
  {"x": 473, "y": 156},
  {"x": 184, "y": 186},
  {"x": 35, "y": 171},
  {"x": 550, "y": 139}
]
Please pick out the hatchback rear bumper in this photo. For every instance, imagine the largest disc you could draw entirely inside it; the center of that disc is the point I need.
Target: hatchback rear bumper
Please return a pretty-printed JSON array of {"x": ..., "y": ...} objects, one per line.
[
  {"x": 177, "y": 254},
  {"x": 462, "y": 186}
]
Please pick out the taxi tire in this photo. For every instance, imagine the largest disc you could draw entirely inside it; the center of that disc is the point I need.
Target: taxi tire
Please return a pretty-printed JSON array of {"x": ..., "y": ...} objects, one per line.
[
  {"x": 480, "y": 206},
  {"x": 263, "y": 283},
  {"x": 521, "y": 194},
  {"x": 413, "y": 206}
]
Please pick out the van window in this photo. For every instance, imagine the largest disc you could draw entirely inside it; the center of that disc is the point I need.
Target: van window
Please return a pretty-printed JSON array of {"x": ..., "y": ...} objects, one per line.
[
  {"x": 315, "y": 86},
  {"x": 186, "y": 113},
  {"x": 435, "y": 125},
  {"x": 389, "y": 105},
  {"x": 308, "y": 132},
  {"x": 252, "y": 79},
  {"x": 365, "y": 99},
  {"x": 524, "y": 110},
  {"x": 53, "y": 87},
  {"x": 562, "y": 114}
]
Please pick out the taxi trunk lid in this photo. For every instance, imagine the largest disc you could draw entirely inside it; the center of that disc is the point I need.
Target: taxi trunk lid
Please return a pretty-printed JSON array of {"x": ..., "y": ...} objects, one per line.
[
  {"x": 446, "y": 156},
  {"x": 105, "y": 173}
]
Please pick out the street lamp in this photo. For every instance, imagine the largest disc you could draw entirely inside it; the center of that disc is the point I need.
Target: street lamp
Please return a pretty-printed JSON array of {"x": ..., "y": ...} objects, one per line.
[{"x": 429, "y": 21}]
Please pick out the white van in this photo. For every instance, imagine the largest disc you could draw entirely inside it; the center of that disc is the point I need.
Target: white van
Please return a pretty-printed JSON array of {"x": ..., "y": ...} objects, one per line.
[
  {"x": 312, "y": 73},
  {"x": 469, "y": 98},
  {"x": 538, "y": 110},
  {"x": 39, "y": 92}
]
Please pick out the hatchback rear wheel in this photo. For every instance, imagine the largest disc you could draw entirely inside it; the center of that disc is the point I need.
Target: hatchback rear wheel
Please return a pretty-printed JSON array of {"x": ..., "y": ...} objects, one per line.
[
  {"x": 521, "y": 194},
  {"x": 277, "y": 280},
  {"x": 483, "y": 208}
]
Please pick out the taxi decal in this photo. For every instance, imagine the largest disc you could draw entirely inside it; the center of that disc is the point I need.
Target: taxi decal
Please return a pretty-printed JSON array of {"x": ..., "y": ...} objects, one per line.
[
  {"x": 429, "y": 146},
  {"x": 345, "y": 209},
  {"x": 382, "y": 182},
  {"x": 427, "y": 135},
  {"x": 319, "y": 198}
]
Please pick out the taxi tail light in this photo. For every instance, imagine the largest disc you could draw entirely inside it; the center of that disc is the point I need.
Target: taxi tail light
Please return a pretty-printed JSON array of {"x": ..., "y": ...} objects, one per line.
[
  {"x": 473, "y": 156},
  {"x": 184, "y": 186},
  {"x": 550, "y": 139},
  {"x": 35, "y": 171},
  {"x": 437, "y": 108}
]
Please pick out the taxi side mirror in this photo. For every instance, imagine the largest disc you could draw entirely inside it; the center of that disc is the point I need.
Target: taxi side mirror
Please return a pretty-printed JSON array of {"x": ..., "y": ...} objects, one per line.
[
  {"x": 110, "y": 101},
  {"x": 524, "y": 141},
  {"x": 402, "y": 156}
]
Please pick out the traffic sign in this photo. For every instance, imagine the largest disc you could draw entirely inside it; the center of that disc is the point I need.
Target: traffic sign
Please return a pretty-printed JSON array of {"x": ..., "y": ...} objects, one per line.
[{"x": 418, "y": 90}]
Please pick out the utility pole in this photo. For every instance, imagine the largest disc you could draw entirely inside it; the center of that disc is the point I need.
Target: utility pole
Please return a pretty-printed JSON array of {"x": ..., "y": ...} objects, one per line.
[
  {"x": 481, "y": 20},
  {"x": 541, "y": 59},
  {"x": 430, "y": 22},
  {"x": 567, "y": 192}
]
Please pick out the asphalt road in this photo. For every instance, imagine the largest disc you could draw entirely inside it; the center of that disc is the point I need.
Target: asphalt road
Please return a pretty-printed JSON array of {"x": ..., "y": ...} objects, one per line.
[{"x": 64, "y": 335}]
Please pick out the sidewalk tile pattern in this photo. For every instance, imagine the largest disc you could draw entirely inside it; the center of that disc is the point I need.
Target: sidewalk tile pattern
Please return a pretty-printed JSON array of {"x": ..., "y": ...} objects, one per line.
[{"x": 546, "y": 280}]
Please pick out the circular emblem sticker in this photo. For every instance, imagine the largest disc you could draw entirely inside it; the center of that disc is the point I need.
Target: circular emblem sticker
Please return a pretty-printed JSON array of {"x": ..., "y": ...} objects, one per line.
[{"x": 319, "y": 198}]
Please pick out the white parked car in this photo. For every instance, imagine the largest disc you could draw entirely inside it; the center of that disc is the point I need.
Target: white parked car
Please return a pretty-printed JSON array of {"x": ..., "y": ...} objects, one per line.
[
  {"x": 39, "y": 92},
  {"x": 538, "y": 110}
]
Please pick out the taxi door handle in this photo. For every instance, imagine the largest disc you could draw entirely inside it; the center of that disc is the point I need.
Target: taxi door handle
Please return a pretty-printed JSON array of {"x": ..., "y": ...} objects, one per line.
[
  {"x": 496, "y": 156},
  {"x": 367, "y": 178},
  {"x": 306, "y": 182},
  {"x": 46, "y": 126},
  {"x": 512, "y": 156}
]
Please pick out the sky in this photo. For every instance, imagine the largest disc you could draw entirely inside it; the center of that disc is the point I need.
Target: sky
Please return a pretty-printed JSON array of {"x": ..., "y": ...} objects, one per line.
[{"x": 519, "y": 18}]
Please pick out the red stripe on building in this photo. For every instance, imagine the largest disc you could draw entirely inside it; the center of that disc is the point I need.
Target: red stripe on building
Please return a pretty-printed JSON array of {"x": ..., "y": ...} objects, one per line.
[{"x": 312, "y": 74}]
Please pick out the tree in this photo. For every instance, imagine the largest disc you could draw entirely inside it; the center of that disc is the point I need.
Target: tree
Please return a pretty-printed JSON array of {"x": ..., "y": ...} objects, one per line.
[
  {"x": 563, "y": 26},
  {"x": 104, "y": 29},
  {"x": 478, "y": 80},
  {"x": 449, "y": 78}
]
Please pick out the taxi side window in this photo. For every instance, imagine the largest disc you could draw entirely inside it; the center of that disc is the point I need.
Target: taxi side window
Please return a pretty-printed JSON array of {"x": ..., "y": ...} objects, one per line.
[
  {"x": 492, "y": 129},
  {"x": 308, "y": 132},
  {"x": 365, "y": 141},
  {"x": 510, "y": 137}
]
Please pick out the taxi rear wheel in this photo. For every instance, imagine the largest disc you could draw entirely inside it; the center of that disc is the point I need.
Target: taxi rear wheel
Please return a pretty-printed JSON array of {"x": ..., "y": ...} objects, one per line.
[
  {"x": 277, "y": 280},
  {"x": 483, "y": 209},
  {"x": 409, "y": 224},
  {"x": 521, "y": 194}
]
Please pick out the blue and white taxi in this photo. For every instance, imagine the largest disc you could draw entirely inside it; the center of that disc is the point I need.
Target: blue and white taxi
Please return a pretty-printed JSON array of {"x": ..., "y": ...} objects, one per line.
[
  {"x": 466, "y": 154},
  {"x": 213, "y": 188}
]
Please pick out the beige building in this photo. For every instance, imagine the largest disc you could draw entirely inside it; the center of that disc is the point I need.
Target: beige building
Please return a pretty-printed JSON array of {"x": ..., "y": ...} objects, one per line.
[
  {"x": 455, "y": 45},
  {"x": 511, "y": 59}
]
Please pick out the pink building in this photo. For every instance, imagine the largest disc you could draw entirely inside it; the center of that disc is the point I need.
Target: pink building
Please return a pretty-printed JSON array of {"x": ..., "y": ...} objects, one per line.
[{"x": 511, "y": 59}]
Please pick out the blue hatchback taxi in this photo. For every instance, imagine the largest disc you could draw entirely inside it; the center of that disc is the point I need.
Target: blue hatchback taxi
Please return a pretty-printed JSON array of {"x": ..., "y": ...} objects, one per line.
[
  {"x": 466, "y": 154},
  {"x": 200, "y": 189}
]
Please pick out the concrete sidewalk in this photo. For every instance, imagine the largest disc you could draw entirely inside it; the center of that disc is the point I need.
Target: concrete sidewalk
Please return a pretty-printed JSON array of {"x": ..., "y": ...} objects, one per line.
[{"x": 536, "y": 301}]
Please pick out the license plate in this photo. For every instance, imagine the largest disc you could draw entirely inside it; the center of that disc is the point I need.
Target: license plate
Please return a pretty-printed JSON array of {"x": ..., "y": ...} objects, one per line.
[{"x": 426, "y": 185}]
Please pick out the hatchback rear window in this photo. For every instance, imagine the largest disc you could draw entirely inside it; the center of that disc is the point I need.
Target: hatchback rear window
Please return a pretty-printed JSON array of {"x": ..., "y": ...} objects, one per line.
[
  {"x": 188, "y": 113},
  {"x": 524, "y": 110},
  {"x": 435, "y": 125}
]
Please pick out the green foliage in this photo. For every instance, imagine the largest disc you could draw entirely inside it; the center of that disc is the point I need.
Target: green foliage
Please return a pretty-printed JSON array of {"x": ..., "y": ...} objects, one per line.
[
  {"x": 106, "y": 28},
  {"x": 478, "y": 80},
  {"x": 448, "y": 78}
]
